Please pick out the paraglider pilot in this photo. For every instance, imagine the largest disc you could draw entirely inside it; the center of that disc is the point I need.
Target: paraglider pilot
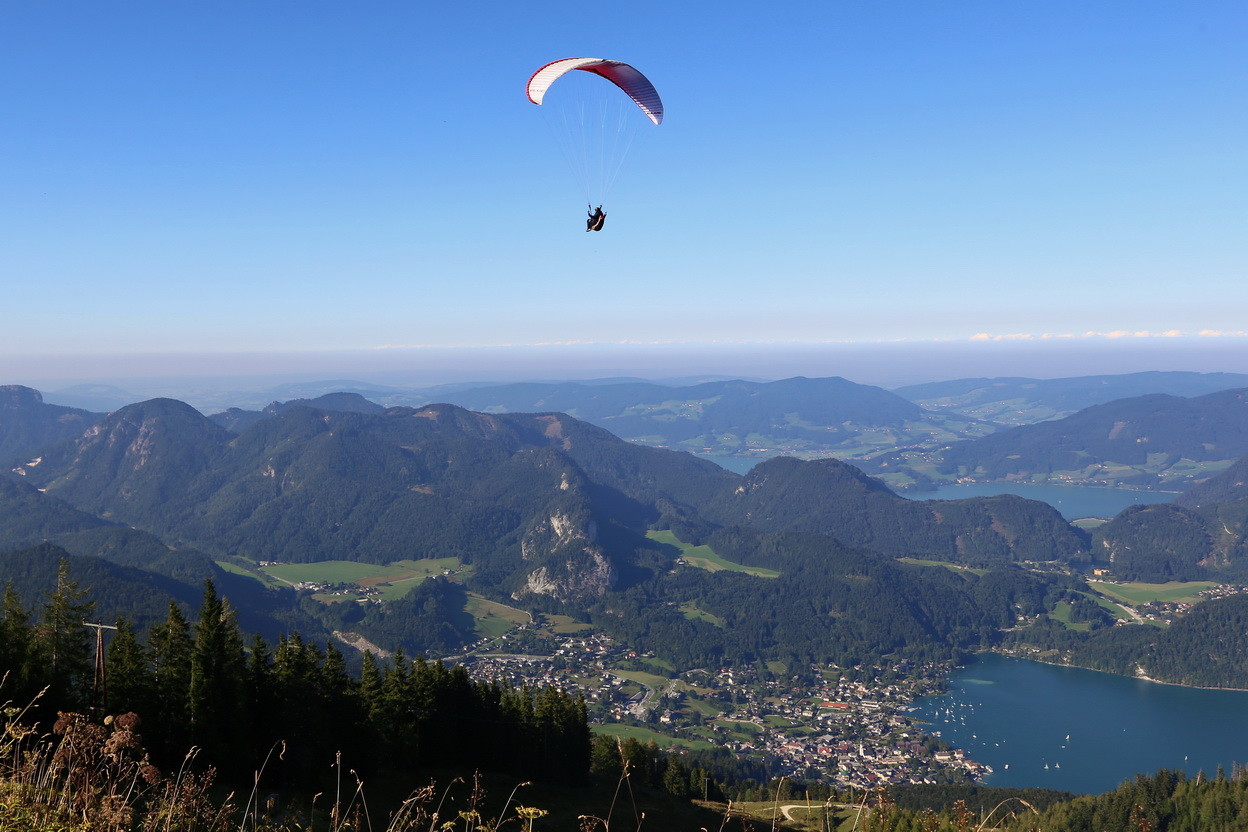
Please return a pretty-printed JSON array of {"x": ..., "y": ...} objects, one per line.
[{"x": 596, "y": 219}]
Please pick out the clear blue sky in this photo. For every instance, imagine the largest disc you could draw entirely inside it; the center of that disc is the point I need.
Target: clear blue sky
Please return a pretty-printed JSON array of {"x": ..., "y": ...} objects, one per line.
[{"x": 246, "y": 177}]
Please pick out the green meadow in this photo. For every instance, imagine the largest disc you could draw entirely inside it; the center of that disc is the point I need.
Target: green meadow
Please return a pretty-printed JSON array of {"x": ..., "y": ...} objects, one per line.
[
  {"x": 693, "y": 612},
  {"x": 645, "y": 735},
  {"x": 703, "y": 557},
  {"x": 1175, "y": 592},
  {"x": 643, "y": 678},
  {"x": 391, "y": 581},
  {"x": 953, "y": 567},
  {"x": 494, "y": 619}
]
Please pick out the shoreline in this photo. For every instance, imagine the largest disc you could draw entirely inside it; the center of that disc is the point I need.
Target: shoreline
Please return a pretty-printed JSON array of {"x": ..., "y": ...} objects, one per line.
[{"x": 1139, "y": 675}]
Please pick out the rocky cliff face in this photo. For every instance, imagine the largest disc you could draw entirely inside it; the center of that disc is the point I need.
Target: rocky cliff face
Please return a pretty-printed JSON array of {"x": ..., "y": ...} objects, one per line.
[{"x": 569, "y": 564}]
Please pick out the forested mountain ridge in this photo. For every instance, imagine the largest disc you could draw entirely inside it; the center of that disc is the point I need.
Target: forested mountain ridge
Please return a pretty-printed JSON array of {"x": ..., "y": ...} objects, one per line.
[
  {"x": 833, "y": 498},
  {"x": 236, "y": 420},
  {"x": 554, "y": 514},
  {"x": 29, "y": 517},
  {"x": 1229, "y": 486},
  {"x": 28, "y": 424},
  {"x": 1202, "y": 534},
  {"x": 1023, "y": 401},
  {"x": 310, "y": 485},
  {"x": 1154, "y": 441},
  {"x": 795, "y": 416}
]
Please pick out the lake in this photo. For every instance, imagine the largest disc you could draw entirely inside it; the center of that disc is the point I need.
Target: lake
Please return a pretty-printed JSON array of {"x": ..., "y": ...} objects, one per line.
[
  {"x": 1073, "y": 501},
  {"x": 735, "y": 464},
  {"x": 1082, "y": 731}
]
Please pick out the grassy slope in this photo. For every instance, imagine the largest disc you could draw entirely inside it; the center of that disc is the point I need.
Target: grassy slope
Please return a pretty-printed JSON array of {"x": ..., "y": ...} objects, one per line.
[{"x": 703, "y": 557}]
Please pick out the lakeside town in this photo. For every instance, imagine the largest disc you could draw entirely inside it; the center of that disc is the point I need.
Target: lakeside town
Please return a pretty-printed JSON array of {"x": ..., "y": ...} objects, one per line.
[{"x": 847, "y": 727}]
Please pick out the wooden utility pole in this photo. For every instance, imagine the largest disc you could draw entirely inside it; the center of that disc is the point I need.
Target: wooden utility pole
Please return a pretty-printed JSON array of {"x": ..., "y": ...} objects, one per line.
[{"x": 99, "y": 688}]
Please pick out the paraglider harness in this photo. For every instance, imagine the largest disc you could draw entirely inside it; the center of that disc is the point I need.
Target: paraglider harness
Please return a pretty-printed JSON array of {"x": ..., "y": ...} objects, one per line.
[{"x": 596, "y": 219}]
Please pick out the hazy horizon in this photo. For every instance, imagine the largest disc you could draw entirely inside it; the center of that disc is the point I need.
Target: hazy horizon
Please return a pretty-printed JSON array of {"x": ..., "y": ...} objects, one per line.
[{"x": 887, "y": 365}]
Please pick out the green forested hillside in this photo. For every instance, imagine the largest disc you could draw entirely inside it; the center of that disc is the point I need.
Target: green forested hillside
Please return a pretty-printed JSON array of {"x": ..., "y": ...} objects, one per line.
[
  {"x": 551, "y": 513},
  {"x": 117, "y": 591},
  {"x": 833, "y": 498},
  {"x": 796, "y": 416},
  {"x": 1202, "y": 534},
  {"x": 1155, "y": 441},
  {"x": 28, "y": 424}
]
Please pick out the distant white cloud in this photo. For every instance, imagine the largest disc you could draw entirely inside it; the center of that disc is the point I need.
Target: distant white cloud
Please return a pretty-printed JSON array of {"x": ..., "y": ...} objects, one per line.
[
  {"x": 979, "y": 337},
  {"x": 1113, "y": 335}
]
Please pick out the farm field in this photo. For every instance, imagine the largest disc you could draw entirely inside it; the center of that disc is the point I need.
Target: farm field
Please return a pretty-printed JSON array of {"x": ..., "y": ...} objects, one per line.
[
  {"x": 1180, "y": 592},
  {"x": 567, "y": 625},
  {"x": 953, "y": 567},
  {"x": 253, "y": 572},
  {"x": 703, "y": 557},
  {"x": 643, "y": 678},
  {"x": 640, "y": 734},
  {"x": 494, "y": 619},
  {"x": 1062, "y": 612},
  {"x": 351, "y": 580},
  {"x": 692, "y": 611}
]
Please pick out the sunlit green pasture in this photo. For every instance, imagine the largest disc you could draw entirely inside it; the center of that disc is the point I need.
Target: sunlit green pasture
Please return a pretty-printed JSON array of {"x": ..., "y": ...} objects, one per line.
[
  {"x": 255, "y": 573},
  {"x": 641, "y": 677},
  {"x": 567, "y": 625},
  {"x": 494, "y": 619},
  {"x": 1062, "y": 612},
  {"x": 703, "y": 557},
  {"x": 644, "y": 735},
  {"x": 961, "y": 570},
  {"x": 1173, "y": 592},
  {"x": 391, "y": 581},
  {"x": 692, "y": 611}
]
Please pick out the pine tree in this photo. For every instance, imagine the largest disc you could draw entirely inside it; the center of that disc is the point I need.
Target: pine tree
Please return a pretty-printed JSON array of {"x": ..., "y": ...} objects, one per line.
[
  {"x": 171, "y": 646},
  {"x": 19, "y": 666},
  {"x": 216, "y": 694},
  {"x": 370, "y": 687},
  {"x": 130, "y": 685},
  {"x": 262, "y": 703},
  {"x": 64, "y": 643}
]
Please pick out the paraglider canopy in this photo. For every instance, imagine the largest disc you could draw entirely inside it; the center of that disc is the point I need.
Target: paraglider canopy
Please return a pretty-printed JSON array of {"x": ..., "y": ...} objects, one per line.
[{"x": 631, "y": 81}]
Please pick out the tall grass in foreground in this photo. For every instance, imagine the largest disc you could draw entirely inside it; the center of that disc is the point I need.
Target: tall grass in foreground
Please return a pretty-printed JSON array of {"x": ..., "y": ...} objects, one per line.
[
  {"x": 96, "y": 776},
  {"x": 90, "y": 776}
]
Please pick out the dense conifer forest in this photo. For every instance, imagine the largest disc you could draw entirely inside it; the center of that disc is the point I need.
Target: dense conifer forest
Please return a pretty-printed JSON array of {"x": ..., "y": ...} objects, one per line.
[{"x": 205, "y": 684}]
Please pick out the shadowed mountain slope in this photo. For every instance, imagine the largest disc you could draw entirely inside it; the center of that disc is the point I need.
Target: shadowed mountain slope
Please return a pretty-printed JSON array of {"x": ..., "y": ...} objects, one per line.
[
  {"x": 1154, "y": 441},
  {"x": 833, "y": 498},
  {"x": 28, "y": 425}
]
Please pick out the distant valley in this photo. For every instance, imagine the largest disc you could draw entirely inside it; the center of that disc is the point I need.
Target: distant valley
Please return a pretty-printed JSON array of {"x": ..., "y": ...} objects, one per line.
[{"x": 453, "y": 511}]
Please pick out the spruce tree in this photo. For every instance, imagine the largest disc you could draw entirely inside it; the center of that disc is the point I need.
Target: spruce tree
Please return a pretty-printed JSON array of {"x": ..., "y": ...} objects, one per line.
[
  {"x": 19, "y": 665},
  {"x": 215, "y": 697},
  {"x": 171, "y": 646},
  {"x": 64, "y": 644},
  {"x": 130, "y": 685}
]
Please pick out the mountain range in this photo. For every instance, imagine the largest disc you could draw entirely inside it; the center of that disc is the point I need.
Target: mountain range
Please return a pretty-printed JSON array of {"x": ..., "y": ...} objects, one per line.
[
  {"x": 758, "y": 420},
  {"x": 549, "y": 511},
  {"x": 1023, "y": 401},
  {"x": 1156, "y": 441},
  {"x": 554, "y": 514}
]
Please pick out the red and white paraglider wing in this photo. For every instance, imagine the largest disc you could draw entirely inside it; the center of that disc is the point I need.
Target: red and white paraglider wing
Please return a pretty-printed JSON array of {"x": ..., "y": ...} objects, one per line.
[{"x": 632, "y": 82}]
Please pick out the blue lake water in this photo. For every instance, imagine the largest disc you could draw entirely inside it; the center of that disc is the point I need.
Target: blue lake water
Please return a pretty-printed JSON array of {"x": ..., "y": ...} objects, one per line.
[
  {"x": 1073, "y": 501},
  {"x": 735, "y": 464},
  {"x": 1073, "y": 729}
]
